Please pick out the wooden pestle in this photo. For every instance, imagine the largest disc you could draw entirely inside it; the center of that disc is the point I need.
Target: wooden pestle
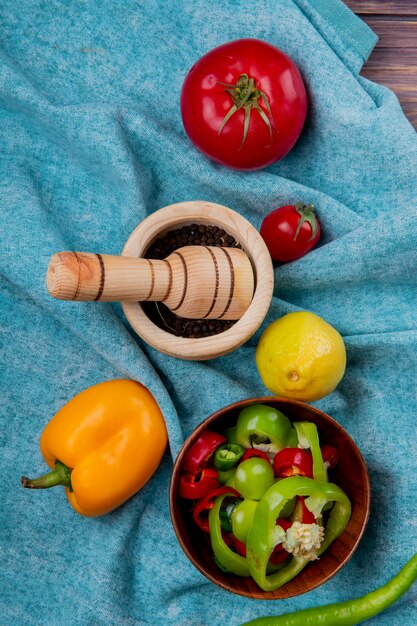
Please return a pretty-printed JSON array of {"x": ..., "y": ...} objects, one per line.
[{"x": 195, "y": 282}]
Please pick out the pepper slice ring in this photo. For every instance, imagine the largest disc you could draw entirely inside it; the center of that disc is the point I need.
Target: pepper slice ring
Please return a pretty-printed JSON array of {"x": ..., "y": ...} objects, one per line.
[{"x": 268, "y": 511}]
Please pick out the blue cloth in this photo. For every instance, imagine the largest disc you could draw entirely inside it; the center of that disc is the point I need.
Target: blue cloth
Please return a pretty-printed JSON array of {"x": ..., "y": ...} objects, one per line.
[{"x": 93, "y": 142}]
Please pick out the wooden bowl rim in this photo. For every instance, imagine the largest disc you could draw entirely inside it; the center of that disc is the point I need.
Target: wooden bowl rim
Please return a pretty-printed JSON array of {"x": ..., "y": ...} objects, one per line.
[
  {"x": 235, "y": 224},
  {"x": 274, "y": 400}
]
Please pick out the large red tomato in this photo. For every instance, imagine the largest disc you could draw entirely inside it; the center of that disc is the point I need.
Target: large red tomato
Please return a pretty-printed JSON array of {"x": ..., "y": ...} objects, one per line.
[{"x": 243, "y": 104}]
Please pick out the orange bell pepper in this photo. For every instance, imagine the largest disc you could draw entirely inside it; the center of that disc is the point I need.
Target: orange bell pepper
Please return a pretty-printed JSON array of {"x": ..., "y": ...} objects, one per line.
[{"x": 103, "y": 446}]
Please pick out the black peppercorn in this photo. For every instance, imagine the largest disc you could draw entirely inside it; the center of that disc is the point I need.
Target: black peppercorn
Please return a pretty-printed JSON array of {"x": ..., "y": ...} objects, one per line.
[{"x": 196, "y": 234}]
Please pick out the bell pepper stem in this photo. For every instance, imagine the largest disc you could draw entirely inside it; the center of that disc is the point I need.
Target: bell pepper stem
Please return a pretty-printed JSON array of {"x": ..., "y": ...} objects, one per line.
[{"x": 61, "y": 475}]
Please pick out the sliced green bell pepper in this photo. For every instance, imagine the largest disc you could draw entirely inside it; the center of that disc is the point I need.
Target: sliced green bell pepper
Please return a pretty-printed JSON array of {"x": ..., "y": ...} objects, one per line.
[
  {"x": 263, "y": 427},
  {"x": 262, "y": 535},
  {"x": 308, "y": 437},
  {"x": 229, "y": 560},
  {"x": 226, "y": 510},
  {"x": 292, "y": 441},
  {"x": 288, "y": 508}
]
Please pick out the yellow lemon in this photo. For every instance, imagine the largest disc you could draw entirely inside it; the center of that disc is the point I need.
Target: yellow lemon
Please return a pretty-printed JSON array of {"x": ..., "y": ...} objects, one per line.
[{"x": 301, "y": 356}]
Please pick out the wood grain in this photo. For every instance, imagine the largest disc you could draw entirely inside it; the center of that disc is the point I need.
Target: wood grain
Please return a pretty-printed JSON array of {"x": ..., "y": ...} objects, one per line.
[
  {"x": 195, "y": 281},
  {"x": 383, "y": 7},
  {"x": 398, "y": 34},
  {"x": 393, "y": 63},
  {"x": 350, "y": 474}
]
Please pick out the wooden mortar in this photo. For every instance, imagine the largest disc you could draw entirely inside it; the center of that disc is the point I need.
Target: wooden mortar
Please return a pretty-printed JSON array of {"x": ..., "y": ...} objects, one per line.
[{"x": 209, "y": 214}]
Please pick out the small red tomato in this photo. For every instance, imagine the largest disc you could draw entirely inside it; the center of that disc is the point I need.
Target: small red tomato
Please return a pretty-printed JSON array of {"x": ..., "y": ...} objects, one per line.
[
  {"x": 290, "y": 231},
  {"x": 243, "y": 104}
]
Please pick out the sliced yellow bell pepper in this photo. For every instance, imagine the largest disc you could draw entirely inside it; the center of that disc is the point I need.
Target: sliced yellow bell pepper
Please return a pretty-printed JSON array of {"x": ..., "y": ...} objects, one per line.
[{"x": 103, "y": 446}]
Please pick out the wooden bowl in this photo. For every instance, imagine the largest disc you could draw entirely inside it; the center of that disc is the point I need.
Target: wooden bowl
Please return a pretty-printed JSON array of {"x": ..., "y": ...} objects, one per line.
[
  {"x": 350, "y": 474},
  {"x": 199, "y": 212}
]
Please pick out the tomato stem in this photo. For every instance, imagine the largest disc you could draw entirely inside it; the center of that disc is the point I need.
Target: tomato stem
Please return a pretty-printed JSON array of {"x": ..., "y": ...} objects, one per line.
[
  {"x": 306, "y": 211},
  {"x": 245, "y": 95}
]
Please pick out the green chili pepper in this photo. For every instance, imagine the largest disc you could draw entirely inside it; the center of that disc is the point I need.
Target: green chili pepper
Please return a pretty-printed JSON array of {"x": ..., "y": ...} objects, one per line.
[
  {"x": 227, "y": 456},
  {"x": 263, "y": 536},
  {"x": 229, "y": 560},
  {"x": 351, "y": 612},
  {"x": 263, "y": 427},
  {"x": 308, "y": 437}
]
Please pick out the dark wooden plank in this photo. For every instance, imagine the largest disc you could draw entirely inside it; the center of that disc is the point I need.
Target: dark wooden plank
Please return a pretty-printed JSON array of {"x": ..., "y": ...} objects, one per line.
[
  {"x": 396, "y": 68},
  {"x": 399, "y": 82},
  {"x": 383, "y": 7},
  {"x": 395, "y": 33},
  {"x": 393, "y": 59},
  {"x": 393, "y": 63}
]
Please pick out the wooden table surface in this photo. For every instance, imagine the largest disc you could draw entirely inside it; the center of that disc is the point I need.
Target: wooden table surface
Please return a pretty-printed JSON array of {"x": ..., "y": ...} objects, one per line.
[{"x": 394, "y": 60}]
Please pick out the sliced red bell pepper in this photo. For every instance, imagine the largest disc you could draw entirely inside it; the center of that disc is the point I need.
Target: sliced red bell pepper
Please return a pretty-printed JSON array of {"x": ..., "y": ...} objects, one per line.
[
  {"x": 198, "y": 485},
  {"x": 293, "y": 462},
  {"x": 330, "y": 456},
  {"x": 253, "y": 452},
  {"x": 278, "y": 556},
  {"x": 307, "y": 516},
  {"x": 203, "y": 506},
  {"x": 201, "y": 451},
  {"x": 284, "y": 523},
  {"x": 240, "y": 547},
  {"x": 229, "y": 539},
  {"x": 232, "y": 542}
]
